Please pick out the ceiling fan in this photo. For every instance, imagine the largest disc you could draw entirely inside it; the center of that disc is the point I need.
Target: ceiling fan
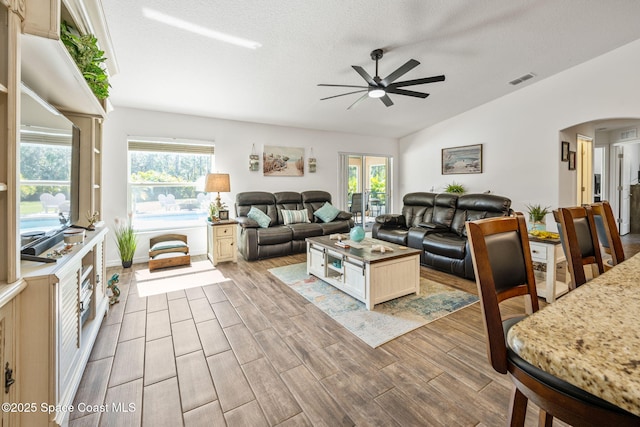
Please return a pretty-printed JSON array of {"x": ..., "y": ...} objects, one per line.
[{"x": 381, "y": 88}]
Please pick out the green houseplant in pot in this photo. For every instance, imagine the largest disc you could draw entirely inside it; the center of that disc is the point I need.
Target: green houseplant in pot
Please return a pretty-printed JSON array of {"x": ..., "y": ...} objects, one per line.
[
  {"x": 88, "y": 57},
  {"x": 126, "y": 241},
  {"x": 455, "y": 188},
  {"x": 537, "y": 215}
]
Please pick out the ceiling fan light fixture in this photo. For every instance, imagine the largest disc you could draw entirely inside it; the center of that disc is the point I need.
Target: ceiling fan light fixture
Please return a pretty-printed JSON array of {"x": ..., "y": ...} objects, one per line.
[{"x": 377, "y": 93}]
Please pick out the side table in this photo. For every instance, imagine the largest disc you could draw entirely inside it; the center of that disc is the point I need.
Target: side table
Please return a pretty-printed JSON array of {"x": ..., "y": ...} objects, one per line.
[
  {"x": 549, "y": 252},
  {"x": 222, "y": 241}
]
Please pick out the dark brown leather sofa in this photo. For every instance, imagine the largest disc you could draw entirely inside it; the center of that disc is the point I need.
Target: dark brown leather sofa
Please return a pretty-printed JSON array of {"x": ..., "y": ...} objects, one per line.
[
  {"x": 435, "y": 224},
  {"x": 279, "y": 239}
]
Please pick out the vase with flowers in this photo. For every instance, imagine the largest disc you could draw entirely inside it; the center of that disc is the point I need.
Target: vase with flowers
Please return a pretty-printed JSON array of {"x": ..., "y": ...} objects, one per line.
[{"x": 126, "y": 240}]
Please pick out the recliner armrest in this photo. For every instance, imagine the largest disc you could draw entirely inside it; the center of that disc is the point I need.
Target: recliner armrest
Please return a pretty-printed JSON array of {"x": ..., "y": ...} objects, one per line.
[
  {"x": 344, "y": 215},
  {"x": 246, "y": 222},
  {"x": 397, "y": 220}
]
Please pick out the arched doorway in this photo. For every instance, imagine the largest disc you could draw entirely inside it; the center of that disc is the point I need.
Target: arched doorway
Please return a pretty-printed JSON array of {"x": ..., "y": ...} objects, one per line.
[{"x": 607, "y": 167}]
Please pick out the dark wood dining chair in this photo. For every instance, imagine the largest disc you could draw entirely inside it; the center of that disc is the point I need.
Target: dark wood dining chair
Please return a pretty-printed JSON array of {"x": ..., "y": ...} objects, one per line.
[
  {"x": 608, "y": 234},
  {"x": 504, "y": 269},
  {"x": 581, "y": 245}
]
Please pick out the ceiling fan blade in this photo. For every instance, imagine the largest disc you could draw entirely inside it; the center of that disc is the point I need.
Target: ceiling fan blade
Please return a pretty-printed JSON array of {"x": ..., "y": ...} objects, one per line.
[
  {"x": 407, "y": 92},
  {"x": 408, "y": 66},
  {"x": 417, "y": 81},
  {"x": 386, "y": 100},
  {"x": 358, "y": 101},
  {"x": 364, "y": 75},
  {"x": 329, "y": 85},
  {"x": 343, "y": 94}
]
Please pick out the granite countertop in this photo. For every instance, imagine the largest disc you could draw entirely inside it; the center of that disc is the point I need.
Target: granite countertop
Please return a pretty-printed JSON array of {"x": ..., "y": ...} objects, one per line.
[{"x": 591, "y": 336}]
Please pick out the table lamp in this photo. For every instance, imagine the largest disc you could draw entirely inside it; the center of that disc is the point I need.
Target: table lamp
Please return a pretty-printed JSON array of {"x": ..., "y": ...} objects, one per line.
[{"x": 217, "y": 182}]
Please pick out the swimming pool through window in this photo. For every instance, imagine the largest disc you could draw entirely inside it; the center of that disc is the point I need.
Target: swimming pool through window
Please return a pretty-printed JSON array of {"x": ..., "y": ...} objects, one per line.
[{"x": 166, "y": 182}]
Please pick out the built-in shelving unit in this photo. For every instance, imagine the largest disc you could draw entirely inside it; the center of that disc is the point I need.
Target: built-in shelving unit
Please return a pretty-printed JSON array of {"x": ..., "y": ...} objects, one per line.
[
  {"x": 55, "y": 316},
  {"x": 62, "y": 85}
]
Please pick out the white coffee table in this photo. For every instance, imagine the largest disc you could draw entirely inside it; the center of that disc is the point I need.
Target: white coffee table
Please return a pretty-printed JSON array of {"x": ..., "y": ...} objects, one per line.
[{"x": 368, "y": 276}]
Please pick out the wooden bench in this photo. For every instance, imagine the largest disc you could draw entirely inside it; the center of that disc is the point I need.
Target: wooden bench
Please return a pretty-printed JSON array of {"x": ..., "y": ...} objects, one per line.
[{"x": 168, "y": 250}]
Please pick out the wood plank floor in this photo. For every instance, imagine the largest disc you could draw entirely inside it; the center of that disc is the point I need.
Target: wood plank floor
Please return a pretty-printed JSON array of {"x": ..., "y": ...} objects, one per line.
[{"x": 252, "y": 352}]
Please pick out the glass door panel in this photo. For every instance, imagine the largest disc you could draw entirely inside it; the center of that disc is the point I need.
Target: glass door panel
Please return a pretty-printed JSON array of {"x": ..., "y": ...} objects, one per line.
[{"x": 367, "y": 187}]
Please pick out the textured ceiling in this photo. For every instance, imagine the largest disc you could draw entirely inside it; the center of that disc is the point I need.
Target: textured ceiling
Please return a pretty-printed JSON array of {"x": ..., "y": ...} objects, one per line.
[{"x": 479, "y": 45}]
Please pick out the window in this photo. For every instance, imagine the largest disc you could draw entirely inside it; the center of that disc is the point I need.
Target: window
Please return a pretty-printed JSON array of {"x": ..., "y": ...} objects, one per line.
[{"x": 166, "y": 183}]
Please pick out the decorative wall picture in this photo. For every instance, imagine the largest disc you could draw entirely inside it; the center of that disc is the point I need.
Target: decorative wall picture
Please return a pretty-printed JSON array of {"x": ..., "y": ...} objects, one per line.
[
  {"x": 572, "y": 160},
  {"x": 465, "y": 159},
  {"x": 282, "y": 161},
  {"x": 564, "y": 152}
]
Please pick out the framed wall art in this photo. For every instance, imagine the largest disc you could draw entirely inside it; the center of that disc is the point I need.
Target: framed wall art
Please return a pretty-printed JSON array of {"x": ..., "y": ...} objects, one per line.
[
  {"x": 459, "y": 160},
  {"x": 572, "y": 160},
  {"x": 282, "y": 161},
  {"x": 564, "y": 151}
]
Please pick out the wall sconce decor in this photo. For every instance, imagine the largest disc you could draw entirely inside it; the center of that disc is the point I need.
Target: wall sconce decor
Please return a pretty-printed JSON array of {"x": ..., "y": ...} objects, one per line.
[
  {"x": 312, "y": 161},
  {"x": 254, "y": 160}
]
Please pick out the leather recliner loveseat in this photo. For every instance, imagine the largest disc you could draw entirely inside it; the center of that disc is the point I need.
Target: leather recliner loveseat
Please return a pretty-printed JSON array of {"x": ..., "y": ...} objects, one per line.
[
  {"x": 275, "y": 238},
  {"x": 435, "y": 224}
]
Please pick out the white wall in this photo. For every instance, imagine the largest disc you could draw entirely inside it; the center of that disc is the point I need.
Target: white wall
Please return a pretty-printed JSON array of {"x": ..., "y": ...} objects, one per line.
[
  {"x": 520, "y": 132},
  {"x": 233, "y": 141}
]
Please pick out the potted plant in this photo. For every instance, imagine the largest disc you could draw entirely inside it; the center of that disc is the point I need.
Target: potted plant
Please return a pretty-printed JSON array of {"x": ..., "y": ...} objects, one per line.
[
  {"x": 455, "y": 188},
  {"x": 88, "y": 57},
  {"x": 537, "y": 215},
  {"x": 126, "y": 241}
]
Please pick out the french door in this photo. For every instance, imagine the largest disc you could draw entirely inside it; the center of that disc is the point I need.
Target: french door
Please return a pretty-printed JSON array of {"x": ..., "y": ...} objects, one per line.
[{"x": 365, "y": 186}]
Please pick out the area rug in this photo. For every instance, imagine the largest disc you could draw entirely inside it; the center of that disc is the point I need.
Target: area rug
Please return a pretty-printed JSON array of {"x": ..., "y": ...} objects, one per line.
[
  {"x": 386, "y": 321},
  {"x": 200, "y": 273}
]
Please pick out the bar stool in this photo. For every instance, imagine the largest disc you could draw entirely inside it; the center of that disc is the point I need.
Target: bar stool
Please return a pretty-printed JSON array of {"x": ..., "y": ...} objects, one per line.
[
  {"x": 581, "y": 244},
  {"x": 504, "y": 269},
  {"x": 608, "y": 233}
]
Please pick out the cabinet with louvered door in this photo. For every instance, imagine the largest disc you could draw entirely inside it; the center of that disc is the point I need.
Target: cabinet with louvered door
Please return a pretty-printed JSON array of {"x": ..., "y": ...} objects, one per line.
[
  {"x": 61, "y": 310},
  {"x": 69, "y": 323}
]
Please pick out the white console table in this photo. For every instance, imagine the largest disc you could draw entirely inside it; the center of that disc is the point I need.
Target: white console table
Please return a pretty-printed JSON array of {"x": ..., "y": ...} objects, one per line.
[{"x": 549, "y": 252}]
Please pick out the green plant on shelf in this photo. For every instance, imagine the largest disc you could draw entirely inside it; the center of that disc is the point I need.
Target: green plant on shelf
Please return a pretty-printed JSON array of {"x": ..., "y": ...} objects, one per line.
[
  {"x": 455, "y": 188},
  {"x": 88, "y": 57}
]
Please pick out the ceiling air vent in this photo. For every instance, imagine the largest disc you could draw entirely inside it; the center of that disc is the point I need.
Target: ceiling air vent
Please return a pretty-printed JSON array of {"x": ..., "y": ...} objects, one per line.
[{"x": 522, "y": 79}]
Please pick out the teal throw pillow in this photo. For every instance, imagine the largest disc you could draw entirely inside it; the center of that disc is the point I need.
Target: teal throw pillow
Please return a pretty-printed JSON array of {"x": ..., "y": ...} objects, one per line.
[
  {"x": 294, "y": 217},
  {"x": 260, "y": 217},
  {"x": 327, "y": 212}
]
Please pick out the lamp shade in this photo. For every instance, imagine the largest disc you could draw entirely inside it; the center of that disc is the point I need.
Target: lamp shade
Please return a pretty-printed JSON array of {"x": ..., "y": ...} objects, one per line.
[{"x": 217, "y": 182}]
